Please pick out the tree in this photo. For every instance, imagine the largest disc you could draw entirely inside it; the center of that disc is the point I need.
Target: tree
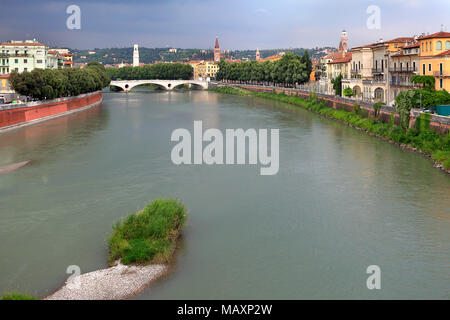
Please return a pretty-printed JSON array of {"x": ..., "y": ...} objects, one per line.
[
  {"x": 348, "y": 92},
  {"x": 404, "y": 101},
  {"x": 337, "y": 85}
]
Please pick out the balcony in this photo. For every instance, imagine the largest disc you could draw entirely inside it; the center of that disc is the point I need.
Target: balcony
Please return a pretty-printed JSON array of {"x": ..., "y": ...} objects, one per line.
[
  {"x": 403, "y": 84},
  {"x": 441, "y": 74},
  {"x": 404, "y": 70},
  {"x": 355, "y": 71},
  {"x": 374, "y": 81},
  {"x": 377, "y": 70}
]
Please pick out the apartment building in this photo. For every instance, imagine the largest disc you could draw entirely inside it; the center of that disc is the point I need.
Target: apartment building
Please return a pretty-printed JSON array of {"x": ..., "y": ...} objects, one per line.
[
  {"x": 370, "y": 69},
  {"x": 22, "y": 56},
  {"x": 434, "y": 58},
  {"x": 27, "y": 55}
]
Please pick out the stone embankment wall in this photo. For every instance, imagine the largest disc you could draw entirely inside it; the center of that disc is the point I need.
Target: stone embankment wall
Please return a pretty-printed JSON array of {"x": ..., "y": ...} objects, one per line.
[
  {"x": 438, "y": 123},
  {"x": 12, "y": 116}
]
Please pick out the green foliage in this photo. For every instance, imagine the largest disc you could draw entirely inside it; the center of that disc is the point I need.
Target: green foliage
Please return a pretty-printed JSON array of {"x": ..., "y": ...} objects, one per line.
[
  {"x": 289, "y": 70},
  {"x": 377, "y": 107},
  {"x": 392, "y": 118},
  {"x": 17, "y": 296},
  {"x": 348, "y": 92},
  {"x": 426, "y": 140},
  {"x": 427, "y": 82},
  {"x": 148, "y": 236},
  {"x": 337, "y": 85},
  {"x": 423, "y": 122},
  {"x": 44, "y": 84},
  {"x": 404, "y": 101},
  {"x": 356, "y": 108},
  {"x": 161, "y": 71}
]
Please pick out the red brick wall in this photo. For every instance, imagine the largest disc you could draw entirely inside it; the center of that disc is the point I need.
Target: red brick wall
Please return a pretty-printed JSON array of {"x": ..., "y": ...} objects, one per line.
[{"x": 17, "y": 116}]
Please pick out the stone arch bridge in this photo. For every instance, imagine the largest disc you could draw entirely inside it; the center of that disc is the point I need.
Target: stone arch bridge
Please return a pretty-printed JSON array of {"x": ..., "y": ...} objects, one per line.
[{"x": 127, "y": 85}]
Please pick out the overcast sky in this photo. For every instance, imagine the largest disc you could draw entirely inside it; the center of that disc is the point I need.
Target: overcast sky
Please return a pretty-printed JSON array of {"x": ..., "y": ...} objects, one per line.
[{"x": 239, "y": 24}]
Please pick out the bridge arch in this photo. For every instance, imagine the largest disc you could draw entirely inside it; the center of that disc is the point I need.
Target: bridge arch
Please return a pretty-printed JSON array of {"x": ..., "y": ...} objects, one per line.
[{"x": 127, "y": 85}]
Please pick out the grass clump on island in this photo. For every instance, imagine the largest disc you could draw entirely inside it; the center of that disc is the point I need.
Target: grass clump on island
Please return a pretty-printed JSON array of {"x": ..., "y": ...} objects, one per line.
[
  {"x": 424, "y": 139},
  {"x": 17, "y": 296},
  {"x": 148, "y": 236}
]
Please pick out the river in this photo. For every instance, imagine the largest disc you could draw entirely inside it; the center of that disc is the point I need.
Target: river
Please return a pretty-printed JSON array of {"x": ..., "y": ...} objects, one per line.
[{"x": 341, "y": 201}]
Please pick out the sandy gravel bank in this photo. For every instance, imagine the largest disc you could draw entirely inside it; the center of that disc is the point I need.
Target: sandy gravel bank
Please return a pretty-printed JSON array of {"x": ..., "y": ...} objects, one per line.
[{"x": 118, "y": 282}]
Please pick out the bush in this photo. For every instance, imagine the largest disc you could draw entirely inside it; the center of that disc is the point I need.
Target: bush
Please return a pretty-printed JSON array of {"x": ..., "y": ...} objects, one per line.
[
  {"x": 356, "y": 108},
  {"x": 148, "y": 236},
  {"x": 17, "y": 296}
]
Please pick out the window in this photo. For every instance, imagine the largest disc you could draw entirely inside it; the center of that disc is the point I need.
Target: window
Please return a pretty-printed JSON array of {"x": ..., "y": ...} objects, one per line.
[
  {"x": 429, "y": 67},
  {"x": 447, "y": 45},
  {"x": 38, "y": 61},
  {"x": 16, "y": 69},
  {"x": 25, "y": 69},
  {"x": 16, "y": 60},
  {"x": 441, "y": 84},
  {"x": 414, "y": 66},
  {"x": 25, "y": 60},
  {"x": 423, "y": 69},
  {"x": 441, "y": 69},
  {"x": 431, "y": 46},
  {"x": 426, "y": 46},
  {"x": 438, "y": 45}
]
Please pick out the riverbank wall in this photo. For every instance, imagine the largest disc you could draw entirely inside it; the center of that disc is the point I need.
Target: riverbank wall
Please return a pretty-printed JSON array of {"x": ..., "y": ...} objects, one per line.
[
  {"x": 15, "y": 116},
  {"x": 387, "y": 114}
]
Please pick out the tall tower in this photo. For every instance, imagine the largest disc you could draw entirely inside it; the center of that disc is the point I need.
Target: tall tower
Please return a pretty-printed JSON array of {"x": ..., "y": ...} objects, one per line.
[
  {"x": 258, "y": 55},
  {"x": 136, "y": 56},
  {"x": 343, "y": 45},
  {"x": 217, "y": 51}
]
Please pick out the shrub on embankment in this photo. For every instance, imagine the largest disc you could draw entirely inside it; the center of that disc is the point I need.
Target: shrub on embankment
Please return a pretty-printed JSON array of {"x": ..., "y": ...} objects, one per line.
[
  {"x": 420, "y": 137},
  {"x": 148, "y": 236},
  {"x": 42, "y": 84},
  {"x": 17, "y": 296}
]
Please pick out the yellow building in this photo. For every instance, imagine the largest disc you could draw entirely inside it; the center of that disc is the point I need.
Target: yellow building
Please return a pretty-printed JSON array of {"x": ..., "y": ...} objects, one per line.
[
  {"x": 434, "y": 58},
  {"x": 205, "y": 69}
]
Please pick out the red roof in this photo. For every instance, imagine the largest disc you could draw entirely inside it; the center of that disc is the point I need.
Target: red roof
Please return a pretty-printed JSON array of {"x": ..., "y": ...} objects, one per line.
[
  {"x": 440, "y": 34},
  {"x": 414, "y": 45},
  {"x": 401, "y": 39},
  {"x": 22, "y": 44},
  {"x": 445, "y": 53},
  {"x": 345, "y": 59},
  {"x": 5, "y": 76}
]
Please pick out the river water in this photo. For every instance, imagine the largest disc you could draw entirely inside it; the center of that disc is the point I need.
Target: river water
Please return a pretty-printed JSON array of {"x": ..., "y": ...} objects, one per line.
[{"x": 341, "y": 201}]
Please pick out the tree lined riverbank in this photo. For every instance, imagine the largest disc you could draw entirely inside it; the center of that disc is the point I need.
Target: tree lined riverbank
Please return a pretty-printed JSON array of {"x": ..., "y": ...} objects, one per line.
[{"x": 417, "y": 139}]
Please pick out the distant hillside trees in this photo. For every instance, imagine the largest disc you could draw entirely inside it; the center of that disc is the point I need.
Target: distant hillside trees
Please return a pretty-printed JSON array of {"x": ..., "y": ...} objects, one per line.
[
  {"x": 44, "y": 84},
  {"x": 289, "y": 70},
  {"x": 161, "y": 71}
]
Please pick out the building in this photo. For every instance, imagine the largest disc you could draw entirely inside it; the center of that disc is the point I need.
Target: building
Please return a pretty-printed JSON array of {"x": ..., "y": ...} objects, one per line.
[
  {"x": 136, "y": 56},
  {"x": 217, "y": 51},
  {"x": 434, "y": 58},
  {"x": 340, "y": 66},
  {"x": 403, "y": 65},
  {"x": 173, "y": 50},
  {"x": 258, "y": 55},
  {"x": 27, "y": 55},
  {"x": 22, "y": 56},
  {"x": 205, "y": 69},
  {"x": 370, "y": 69},
  {"x": 6, "y": 93},
  {"x": 66, "y": 57}
]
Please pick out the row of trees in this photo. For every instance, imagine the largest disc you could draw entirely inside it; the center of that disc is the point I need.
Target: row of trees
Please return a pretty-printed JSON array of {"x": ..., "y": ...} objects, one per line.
[
  {"x": 289, "y": 70},
  {"x": 44, "y": 84},
  {"x": 161, "y": 71}
]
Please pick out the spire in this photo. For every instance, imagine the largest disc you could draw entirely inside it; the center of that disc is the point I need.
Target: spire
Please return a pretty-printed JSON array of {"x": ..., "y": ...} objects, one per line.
[{"x": 217, "y": 43}]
